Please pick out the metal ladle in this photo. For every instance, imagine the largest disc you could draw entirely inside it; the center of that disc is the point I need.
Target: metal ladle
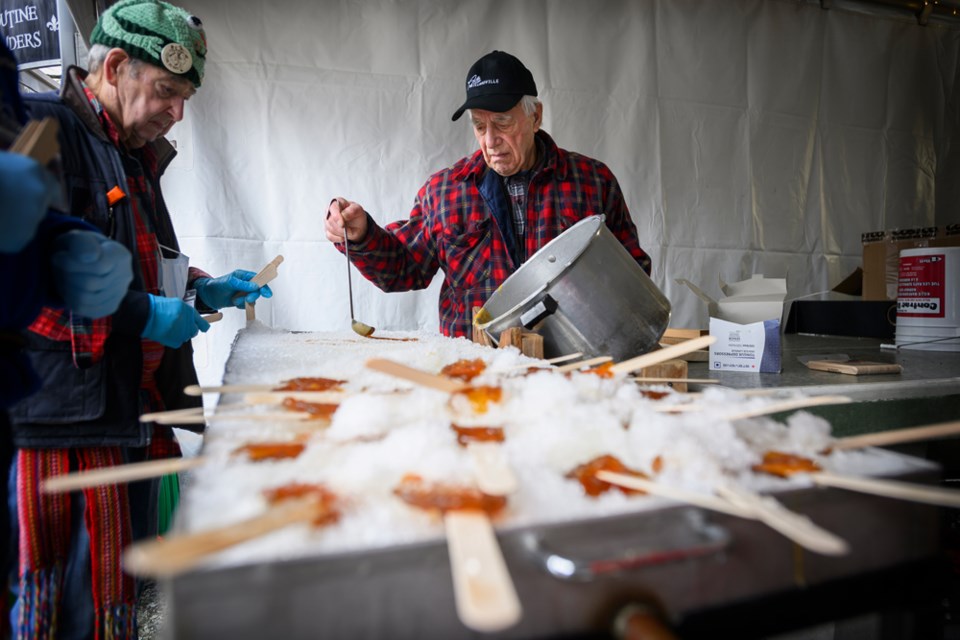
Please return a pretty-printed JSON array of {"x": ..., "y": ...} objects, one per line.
[{"x": 358, "y": 327}]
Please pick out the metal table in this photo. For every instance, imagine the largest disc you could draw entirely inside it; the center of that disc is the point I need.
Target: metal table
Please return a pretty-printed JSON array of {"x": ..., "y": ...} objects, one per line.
[
  {"x": 707, "y": 572},
  {"x": 925, "y": 373},
  {"x": 690, "y": 565},
  {"x": 927, "y": 391}
]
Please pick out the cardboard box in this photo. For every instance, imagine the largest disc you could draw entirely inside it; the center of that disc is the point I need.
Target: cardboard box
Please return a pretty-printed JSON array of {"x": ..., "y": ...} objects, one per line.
[
  {"x": 881, "y": 255},
  {"x": 746, "y": 323},
  {"x": 747, "y": 301}
]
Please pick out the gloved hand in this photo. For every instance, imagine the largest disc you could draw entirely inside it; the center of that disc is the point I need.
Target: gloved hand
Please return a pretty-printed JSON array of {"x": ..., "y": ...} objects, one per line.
[
  {"x": 218, "y": 293},
  {"x": 172, "y": 321},
  {"x": 26, "y": 190},
  {"x": 91, "y": 272}
]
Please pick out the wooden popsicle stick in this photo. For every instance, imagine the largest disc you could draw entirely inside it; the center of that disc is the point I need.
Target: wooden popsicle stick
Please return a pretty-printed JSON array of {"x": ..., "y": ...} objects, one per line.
[
  {"x": 134, "y": 471},
  {"x": 325, "y": 397},
  {"x": 273, "y": 416},
  {"x": 743, "y": 505},
  {"x": 912, "y": 434},
  {"x": 213, "y": 317},
  {"x": 794, "y": 526},
  {"x": 417, "y": 376},
  {"x": 175, "y": 554},
  {"x": 186, "y": 413},
  {"x": 694, "y": 498},
  {"x": 690, "y": 380},
  {"x": 485, "y": 596},
  {"x": 589, "y": 362},
  {"x": 277, "y": 397},
  {"x": 776, "y": 407},
  {"x": 891, "y": 489},
  {"x": 662, "y": 355},
  {"x": 493, "y": 474},
  {"x": 788, "y": 405},
  {"x": 268, "y": 273},
  {"x": 25, "y": 139},
  {"x": 188, "y": 419},
  {"x": 264, "y": 276},
  {"x": 196, "y": 416},
  {"x": 556, "y": 360},
  {"x": 38, "y": 140},
  {"x": 118, "y": 474},
  {"x": 197, "y": 390}
]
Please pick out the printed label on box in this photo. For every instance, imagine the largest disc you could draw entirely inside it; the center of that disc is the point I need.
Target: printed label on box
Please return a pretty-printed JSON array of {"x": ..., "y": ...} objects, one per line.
[{"x": 749, "y": 348}]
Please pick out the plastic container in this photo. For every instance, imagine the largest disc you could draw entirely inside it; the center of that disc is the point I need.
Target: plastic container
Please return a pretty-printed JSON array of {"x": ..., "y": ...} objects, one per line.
[{"x": 928, "y": 299}]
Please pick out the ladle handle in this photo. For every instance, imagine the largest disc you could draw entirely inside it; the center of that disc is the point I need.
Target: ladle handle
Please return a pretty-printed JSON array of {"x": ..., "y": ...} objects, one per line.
[{"x": 346, "y": 253}]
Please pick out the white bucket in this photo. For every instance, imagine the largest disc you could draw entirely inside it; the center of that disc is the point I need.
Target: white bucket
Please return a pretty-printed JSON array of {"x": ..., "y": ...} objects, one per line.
[{"x": 928, "y": 299}]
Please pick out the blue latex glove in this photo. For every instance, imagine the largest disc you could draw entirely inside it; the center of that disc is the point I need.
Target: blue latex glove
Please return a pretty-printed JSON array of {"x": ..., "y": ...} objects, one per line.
[
  {"x": 172, "y": 321},
  {"x": 232, "y": 289},
  {"x": 91, "y": 272},
  {"x": 26, "y": 190}
]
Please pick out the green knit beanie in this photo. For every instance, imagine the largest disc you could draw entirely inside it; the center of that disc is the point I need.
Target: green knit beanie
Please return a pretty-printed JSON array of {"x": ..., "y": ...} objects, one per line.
[{"x": 155, "y": 32}]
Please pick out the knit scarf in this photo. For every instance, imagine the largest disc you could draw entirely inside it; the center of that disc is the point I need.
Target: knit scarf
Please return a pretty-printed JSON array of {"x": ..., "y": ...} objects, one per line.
[{"x": 45, "y": 522}]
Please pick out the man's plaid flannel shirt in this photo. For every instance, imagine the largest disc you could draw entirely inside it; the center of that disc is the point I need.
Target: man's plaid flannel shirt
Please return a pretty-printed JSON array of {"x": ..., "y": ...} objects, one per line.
[{"x": 452, "y": 229}]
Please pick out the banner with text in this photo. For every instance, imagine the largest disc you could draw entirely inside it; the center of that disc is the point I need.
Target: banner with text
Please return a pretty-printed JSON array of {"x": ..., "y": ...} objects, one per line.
[{"x": 31, "y": 29}]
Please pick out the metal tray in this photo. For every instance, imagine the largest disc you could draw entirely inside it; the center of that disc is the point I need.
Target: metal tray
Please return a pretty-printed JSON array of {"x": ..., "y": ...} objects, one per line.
[{"x": 570, "y": 577}]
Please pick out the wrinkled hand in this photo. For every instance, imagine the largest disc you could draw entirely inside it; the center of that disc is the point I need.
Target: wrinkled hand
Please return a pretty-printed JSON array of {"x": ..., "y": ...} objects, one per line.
[
  {"x": 341, "y": 215},
  {"x": 232, "y": 289},
  {"x": 172, "y": 321},
  {"x": 91, "y": 272},
  {"x": 26, "y": 190}
]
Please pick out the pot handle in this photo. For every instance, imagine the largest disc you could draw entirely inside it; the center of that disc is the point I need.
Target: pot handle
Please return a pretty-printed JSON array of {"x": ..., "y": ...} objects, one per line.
[
  {"x": 546, "y": 307},
  {"x": 703, "y": 539}
]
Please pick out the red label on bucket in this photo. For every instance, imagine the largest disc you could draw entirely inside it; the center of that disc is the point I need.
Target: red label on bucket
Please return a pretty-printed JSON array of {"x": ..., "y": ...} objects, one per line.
[{"x": 921, "y": 289}]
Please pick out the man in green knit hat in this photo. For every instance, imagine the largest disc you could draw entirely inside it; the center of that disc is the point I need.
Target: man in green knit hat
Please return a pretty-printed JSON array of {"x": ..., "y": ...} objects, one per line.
[
  {"x": 173, "y": 44},
  {"x": 146, "y": 60}
]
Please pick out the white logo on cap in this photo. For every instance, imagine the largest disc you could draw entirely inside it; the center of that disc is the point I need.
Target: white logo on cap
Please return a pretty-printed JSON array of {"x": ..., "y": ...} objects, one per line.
[
  {"x": 475, "y": 82},
  {"x": 176, "y": 58}
]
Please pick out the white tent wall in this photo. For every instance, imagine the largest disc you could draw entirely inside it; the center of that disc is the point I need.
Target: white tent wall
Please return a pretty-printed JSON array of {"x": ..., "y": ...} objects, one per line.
[{"x": 748, "y": 136}]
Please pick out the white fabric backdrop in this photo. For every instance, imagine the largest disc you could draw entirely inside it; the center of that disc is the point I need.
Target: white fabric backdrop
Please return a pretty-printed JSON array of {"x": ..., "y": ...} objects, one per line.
[{"x": 749, "y": 136}]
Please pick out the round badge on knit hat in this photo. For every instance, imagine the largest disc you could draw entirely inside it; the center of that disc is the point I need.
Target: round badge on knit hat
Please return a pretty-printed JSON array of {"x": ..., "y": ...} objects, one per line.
[{"x": 156, "y": 32}]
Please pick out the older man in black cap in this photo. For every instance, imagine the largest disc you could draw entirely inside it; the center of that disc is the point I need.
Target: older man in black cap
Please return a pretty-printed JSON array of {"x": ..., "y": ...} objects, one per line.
[{"x": 480, "y": 219}]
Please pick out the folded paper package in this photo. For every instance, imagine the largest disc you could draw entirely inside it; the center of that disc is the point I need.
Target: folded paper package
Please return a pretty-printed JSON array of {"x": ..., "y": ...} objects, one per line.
[{"x": 746, "y": 322}]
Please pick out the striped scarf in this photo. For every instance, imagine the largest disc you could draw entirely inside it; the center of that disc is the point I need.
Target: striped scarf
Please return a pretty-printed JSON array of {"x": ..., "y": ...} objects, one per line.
[{"x": 45, "y": 523}]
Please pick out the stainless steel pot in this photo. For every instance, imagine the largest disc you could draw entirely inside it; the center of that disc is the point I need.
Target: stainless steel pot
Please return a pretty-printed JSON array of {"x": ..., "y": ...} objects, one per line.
[{"x": 582, "y": 292}]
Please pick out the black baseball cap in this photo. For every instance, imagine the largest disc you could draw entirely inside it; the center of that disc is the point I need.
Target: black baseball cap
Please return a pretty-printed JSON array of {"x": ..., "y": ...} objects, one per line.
[{"x": 496, "y": 82}]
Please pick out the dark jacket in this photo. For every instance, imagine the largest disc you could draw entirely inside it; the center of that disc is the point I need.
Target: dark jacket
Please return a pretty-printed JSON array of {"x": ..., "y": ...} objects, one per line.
[
  {"x": 27, "y": 273},
  {"x": 98, "y": 405}
]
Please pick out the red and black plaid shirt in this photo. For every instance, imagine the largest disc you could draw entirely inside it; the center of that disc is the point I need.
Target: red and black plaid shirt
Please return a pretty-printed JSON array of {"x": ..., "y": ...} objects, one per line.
[{"x": 450, "y": 228}]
